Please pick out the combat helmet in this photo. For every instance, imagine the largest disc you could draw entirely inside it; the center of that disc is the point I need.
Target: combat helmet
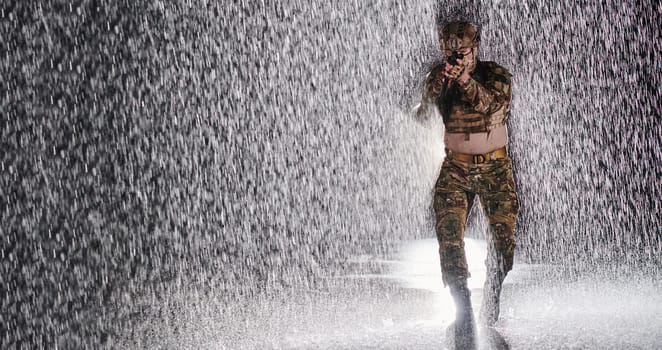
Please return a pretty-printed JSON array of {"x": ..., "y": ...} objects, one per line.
[{"x": 458, "y": 35}]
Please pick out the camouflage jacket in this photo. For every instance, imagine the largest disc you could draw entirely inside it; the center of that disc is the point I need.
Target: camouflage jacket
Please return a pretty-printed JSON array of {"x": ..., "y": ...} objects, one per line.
[{"x": 480, "y": 105}]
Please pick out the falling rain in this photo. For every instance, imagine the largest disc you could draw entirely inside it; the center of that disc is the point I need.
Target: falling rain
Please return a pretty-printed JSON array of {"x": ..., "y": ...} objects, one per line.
[{"x": 236, "y": 175}]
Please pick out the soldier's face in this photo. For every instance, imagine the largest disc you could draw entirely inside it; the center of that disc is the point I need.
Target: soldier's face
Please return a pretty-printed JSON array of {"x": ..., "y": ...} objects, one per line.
[{"x": 464, "y": 52}]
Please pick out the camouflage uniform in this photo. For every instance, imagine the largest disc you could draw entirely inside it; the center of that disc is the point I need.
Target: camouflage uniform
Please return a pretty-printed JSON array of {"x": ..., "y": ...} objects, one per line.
[
  {"x": 454, "y": 194},
  {"x": 480, "y": 105}
]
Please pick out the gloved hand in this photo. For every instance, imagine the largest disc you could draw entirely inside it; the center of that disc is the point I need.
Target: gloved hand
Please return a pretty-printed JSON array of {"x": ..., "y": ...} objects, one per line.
[{"x": 452, "y": 72}]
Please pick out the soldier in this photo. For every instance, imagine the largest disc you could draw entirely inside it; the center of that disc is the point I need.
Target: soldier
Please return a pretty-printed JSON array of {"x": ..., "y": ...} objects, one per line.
[{"x": 473, "y": 98}]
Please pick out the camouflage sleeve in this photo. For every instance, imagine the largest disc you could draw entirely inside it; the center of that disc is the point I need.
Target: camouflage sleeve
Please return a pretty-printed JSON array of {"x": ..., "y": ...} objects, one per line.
[
  {"x": 491, "y": 95},
  {"x": 433, "y": 85}
]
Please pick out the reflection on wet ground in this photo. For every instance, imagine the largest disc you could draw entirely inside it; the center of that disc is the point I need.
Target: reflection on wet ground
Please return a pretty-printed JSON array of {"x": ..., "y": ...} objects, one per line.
[{"x": 400, "y": 304}]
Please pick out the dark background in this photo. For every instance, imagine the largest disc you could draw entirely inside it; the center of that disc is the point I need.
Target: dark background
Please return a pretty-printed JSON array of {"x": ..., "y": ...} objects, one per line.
[{"x": 157, "y": 145}]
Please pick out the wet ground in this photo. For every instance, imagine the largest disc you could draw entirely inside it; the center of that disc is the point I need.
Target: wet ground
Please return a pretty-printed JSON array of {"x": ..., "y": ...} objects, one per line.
[{"x": 400, "y": 304}]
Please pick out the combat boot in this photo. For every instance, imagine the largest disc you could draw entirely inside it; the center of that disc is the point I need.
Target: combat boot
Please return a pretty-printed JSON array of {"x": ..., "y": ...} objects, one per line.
[
  {"x": 489, "y": 310},
  {"x": 464, "y": 326}
]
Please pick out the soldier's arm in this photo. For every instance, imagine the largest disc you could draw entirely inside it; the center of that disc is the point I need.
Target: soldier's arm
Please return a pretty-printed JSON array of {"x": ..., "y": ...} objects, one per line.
[
  {"x": 433, "y": 85},
  {"x": 490, "y": 96}
]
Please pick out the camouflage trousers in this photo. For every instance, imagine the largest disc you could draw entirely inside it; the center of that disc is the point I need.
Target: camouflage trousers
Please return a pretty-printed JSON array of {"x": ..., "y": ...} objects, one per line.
[{"x": 454, "y": 194}]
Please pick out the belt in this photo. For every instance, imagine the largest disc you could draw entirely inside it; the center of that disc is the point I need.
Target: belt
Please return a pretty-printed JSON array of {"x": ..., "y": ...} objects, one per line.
[{"x": 478, "y": 158}]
